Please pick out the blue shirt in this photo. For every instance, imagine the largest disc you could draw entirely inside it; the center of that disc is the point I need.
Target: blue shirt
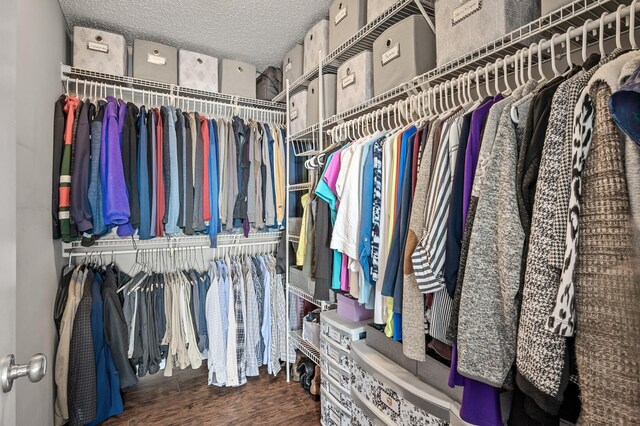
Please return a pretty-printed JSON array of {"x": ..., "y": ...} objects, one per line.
[
  {"x": 95, "y": 182},
  {"x": 171, "y": 227},
  {"x": 266, "y": 324},
  {"x": 366, "y": 218},
  {"x": 214, "y": 223},
  {"x": 143, "y": 178},
  {"x": 109, "y": 400}
]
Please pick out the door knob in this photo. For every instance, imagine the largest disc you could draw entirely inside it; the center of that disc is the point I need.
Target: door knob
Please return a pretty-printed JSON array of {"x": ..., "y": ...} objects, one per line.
[{"x": 9, "y": 370}]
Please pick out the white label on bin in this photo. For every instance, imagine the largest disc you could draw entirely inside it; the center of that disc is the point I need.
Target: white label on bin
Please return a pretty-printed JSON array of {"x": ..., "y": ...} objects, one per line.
[
  {"x": 335, "y": 417},
  {"x": 98, "y": 47},
  {"x": 333, "y": 391},
  {"x": 391, "y": 54},
  {"x": 334, "y": 374},
  {"x": 287, "y": 67},
  {"x": 348, "y": 80},
  {"x": 341, "y": 15},
  {"x": 465, "y": 10},
  {"x": 156, "y": 60},
  {"x": 335, "y": 335},
  {"x": 293, "y": 115},
  {"x": 390, "y": 402}
]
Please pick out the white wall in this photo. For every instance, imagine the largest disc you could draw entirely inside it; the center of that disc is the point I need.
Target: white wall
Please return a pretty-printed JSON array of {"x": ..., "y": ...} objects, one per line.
[{"x": 41, "y": 47}]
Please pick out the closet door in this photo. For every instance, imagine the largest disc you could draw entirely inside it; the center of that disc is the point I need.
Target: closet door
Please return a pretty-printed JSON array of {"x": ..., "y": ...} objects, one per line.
[{"x": 8, "y": 195}]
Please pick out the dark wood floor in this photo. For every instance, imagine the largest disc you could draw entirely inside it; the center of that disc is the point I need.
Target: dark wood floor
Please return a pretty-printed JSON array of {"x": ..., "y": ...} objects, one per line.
[{"x": 185, "y": 399}]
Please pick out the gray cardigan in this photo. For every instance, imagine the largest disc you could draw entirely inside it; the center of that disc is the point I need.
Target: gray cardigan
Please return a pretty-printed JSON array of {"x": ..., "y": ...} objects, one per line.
[{"x": 487, "y": 318}]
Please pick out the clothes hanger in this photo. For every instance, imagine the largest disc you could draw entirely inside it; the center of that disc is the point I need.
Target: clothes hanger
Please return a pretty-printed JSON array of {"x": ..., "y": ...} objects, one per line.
[
  {"x": 540, "y": 71},
  {"x": 452, "y": 94},
  {"x": 516, "y": 69},
  {"x": 505, "y": 72},
  {"x": 477, "y": 75},
  {"x": 529, "y": 60},
  {"x": 567, "y": 42},
  {"x": 445, "y": 96},
  {"x": 469, "y": 96},
  {"x": 496, "y": 71},
  {"x": 585, "y": 35},
  {"x": 632, "y": 25},
  {"x": 619, "y": 26},
  {"x": 427, "y": 105},
  {"x": 552, "y": 47},
  {"x": 407, "y": 111},
  {"x": 520, "y": 68},
  {"x": 601, "y": 35}
]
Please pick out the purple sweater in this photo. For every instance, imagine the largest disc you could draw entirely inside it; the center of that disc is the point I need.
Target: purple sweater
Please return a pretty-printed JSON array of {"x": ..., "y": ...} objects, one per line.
[
  {"x": 114, "y": 190},
  {"x": 478, "y": 119}
]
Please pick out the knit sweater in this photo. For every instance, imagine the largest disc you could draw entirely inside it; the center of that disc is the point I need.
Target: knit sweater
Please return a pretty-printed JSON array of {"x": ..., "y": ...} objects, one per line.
[
  {"x": 541, "y": 362},
  {"x": 414, "y": 342},
  {"x": 487, "y": 325},
  {"x": 607, "y": 277}
]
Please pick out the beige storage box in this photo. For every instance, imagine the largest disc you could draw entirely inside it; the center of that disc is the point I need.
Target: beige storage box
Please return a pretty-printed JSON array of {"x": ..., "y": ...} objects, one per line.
[
  {"x": 316, "y": 40},
  {"x": 346, "y": 17},
  {"x": 313, "y": 99},
  {"x": 99, "y": 51},
  {"x": 197, "y": 71},
  {"x": 155, "y": 61},
  {"x": 238, "y": 78},
  {"x": 355, "y": 81},
  {"x": 403, "y": 51}
]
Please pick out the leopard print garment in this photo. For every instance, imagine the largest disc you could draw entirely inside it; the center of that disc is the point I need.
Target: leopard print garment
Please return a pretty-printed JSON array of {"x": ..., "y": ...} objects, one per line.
[{"x": 562, "y": 319}]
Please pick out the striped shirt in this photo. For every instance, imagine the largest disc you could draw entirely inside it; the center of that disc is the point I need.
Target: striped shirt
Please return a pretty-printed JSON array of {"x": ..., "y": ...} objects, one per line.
[{"x": 429, "y": 269}]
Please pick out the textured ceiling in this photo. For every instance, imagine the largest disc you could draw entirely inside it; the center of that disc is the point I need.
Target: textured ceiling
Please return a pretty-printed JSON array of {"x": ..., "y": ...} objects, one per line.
[{"x": 255, "y": 31}]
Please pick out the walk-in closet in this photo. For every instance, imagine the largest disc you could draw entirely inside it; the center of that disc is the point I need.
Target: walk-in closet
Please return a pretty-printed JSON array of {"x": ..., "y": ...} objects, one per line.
[{"x": 329, "y": 212}]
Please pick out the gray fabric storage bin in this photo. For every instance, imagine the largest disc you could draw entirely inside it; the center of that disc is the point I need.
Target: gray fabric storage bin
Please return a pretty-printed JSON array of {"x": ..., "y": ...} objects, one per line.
[
  {"x": 298, "y": 112},
  {"x": 298, "y": 279},
  {"x": 463, "y": 27},
  {"x": 293, "y": 64},
  {"x": 548, "y": 6},
  {"x": 376, "y": 7},
  {"x": 436, "y": 374},
  {"x": 99, "y": 51},
  {"x": 155, "y": 61},
  {"x": 197, "y": 71},
  {"x": 403, "y": 51},
  {"x": 316, "y": 40},
  {"x": 269, "y": 84},
  {"x": 237, "y": 78},
  {"x": 346, "y": 17},
  {"x": 355, "y": 81},
  {"x": 313, "y": 99},
  {"x": 388, "y": 347}
]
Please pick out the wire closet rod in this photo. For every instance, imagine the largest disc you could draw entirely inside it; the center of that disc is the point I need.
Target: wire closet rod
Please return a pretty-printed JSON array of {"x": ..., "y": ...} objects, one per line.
[
  {"x": 95, "y": 89},
  {"x": 461, "y": 84},
  {"x": 573, "y": 33},
  {"x": 90, "y": 252}
]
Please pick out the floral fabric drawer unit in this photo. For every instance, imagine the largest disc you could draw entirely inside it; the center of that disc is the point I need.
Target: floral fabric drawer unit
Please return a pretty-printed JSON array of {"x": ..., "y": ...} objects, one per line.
[
  {"x": 338, "y": 375},
  {"x": 336, "y": 391},
  {"x": 399, "y": 410},
  {"x": 331, "y": 414},
  {"x": 332, "y": 352},
  {"x": 359, "y": 418},
  {"x": 333, "y": 334}
]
